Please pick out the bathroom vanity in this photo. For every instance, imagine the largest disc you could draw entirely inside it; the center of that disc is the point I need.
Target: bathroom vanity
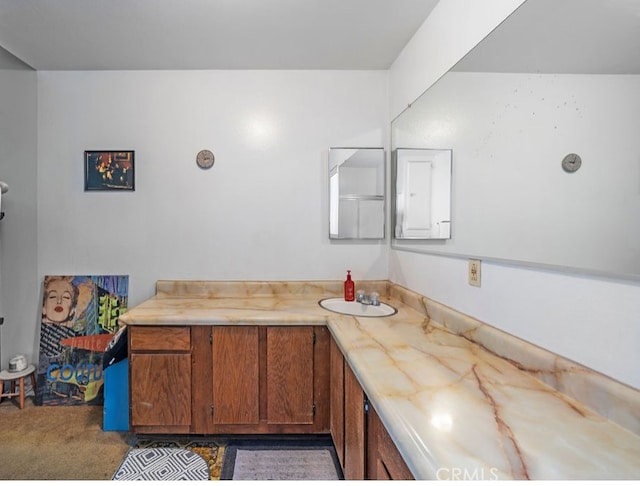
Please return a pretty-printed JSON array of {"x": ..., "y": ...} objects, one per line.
[{"x": 426, "y": 393}]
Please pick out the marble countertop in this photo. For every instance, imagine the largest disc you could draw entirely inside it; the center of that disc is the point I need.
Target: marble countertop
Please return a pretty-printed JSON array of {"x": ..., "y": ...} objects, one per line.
[{"x": 454, "y": 409}]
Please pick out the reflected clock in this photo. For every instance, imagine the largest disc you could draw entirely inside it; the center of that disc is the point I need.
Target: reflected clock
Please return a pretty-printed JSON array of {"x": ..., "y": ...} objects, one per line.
[{"x": 571, "y": 163}]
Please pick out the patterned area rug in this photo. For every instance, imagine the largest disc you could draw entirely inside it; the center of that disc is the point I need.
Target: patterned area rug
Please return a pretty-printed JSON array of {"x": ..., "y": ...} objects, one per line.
[
  {"x": 162, "y": 464},
  {"x": 281, "y": 460},
  {"x": 211, "y": 452}
]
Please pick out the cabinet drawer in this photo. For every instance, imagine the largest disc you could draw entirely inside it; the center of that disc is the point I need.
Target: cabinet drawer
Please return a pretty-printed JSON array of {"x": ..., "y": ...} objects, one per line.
[{"x": 159, "y": 338}]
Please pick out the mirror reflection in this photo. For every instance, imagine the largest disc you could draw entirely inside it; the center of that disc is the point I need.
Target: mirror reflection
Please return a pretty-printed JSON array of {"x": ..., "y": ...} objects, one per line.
[
  {"x": 356, "y": 193},
  {"x": 512, "y": 110},
  {"x": 422, "y": 193}
]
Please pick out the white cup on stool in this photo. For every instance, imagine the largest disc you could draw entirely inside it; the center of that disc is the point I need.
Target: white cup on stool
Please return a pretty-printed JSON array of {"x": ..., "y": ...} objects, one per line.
[{"x": 18, "y": 363}]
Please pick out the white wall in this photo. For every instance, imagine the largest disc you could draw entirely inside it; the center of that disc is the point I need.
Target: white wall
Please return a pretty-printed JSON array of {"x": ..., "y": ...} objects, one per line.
[
  {"x": 261, "y": 212},
  {"x": 591, "y": 320},
  {"x": 18, "y": 270}
]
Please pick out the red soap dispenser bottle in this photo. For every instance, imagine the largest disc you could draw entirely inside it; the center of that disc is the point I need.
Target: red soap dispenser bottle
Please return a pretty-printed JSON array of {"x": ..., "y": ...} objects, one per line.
[{"x": 349, "y": 288}]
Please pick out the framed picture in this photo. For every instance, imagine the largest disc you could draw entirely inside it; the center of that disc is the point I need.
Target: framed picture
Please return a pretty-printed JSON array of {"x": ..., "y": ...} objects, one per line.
[{"x": 109, "y": 170}]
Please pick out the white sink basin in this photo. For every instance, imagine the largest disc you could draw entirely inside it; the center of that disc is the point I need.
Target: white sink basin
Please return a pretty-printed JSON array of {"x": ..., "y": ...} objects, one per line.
[{"x": 341, "y": 306}]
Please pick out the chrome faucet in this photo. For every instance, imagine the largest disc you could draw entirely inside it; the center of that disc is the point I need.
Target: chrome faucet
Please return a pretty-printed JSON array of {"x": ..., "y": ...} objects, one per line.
[{"x": 371, "y": 299}]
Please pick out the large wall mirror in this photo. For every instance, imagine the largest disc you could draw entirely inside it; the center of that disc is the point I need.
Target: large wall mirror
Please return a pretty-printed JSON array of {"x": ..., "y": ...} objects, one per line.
[
  {"x": 557, "y": 80},
  {"x": 356, "y": 193}
]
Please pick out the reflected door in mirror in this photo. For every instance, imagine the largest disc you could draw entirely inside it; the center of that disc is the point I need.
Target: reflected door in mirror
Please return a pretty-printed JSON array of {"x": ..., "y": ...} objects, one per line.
[{"x": 422, "y": 194}]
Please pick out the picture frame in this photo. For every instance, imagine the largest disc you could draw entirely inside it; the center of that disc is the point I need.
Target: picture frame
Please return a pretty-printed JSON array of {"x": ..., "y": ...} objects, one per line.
[{"x": 109, "y": 170}]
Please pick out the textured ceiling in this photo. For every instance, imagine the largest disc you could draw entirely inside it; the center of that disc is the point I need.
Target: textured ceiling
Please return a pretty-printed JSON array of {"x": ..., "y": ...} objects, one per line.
[
  {"x": 208, "y": 34},
  {"x": 552, "y": 36}
]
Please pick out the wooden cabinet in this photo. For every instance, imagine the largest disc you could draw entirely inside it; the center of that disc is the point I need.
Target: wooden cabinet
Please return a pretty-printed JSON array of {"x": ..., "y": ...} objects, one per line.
[
  {"x": 336, "y": 422},
  {"x": 347, "y": 420},
  {"x": 257, "y": 380},
  {"x": 383, "y": 458},
  {"x": 363, "y": 446},
  {"x": 235, "y": 375},
  {"x": 231, "y": 380},
  {"x": 355, "y": 438},
  {"x": 289, "y": 372},
  {"x": 160, "y": 369},
  {"x": 270, "y": 379}
]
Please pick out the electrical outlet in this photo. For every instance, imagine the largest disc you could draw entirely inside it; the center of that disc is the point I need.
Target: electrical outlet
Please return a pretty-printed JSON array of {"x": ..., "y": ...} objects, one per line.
[{"x": 474, "y": 273}]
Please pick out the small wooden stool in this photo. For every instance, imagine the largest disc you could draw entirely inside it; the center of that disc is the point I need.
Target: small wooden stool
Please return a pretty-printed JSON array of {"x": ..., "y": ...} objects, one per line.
[{"x": 17, "y": 376}]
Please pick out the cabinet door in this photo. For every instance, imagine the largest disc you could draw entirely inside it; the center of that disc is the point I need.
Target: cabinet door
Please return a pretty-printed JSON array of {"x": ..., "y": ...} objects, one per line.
[
  {"x": 290, "y": 376},
  {"x": 383, "y": 458},
  {"x": 160, "y": 389},
  {"x": 354, "y": 427},
  {"x": 235, "y": 375},
  {"x": 337, "y": 399}
]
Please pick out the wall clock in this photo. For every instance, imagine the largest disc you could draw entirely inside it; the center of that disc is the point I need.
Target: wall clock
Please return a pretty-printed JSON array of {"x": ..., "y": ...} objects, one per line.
[
  {"x": 205, "y": 159},
  {"x": 571, "y": 163}
]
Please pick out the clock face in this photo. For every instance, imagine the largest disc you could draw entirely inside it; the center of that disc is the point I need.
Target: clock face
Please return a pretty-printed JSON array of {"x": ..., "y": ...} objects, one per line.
[
  {"x": 205, "y": 159},
  {"x": 571, "y": 163}
]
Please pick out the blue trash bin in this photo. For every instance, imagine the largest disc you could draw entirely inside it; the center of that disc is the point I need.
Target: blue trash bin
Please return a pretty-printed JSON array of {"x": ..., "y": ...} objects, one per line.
[
  {"x": 116, "y": 396},
  {"x": 116, "y": 384}
]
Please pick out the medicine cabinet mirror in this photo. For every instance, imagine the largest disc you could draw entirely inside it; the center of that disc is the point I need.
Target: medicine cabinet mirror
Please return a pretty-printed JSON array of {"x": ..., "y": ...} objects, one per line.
[
  {"x": 422, "y": 193},
  {"x": 356, "y": 193},
  {"x": 512, "y": 110}
]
